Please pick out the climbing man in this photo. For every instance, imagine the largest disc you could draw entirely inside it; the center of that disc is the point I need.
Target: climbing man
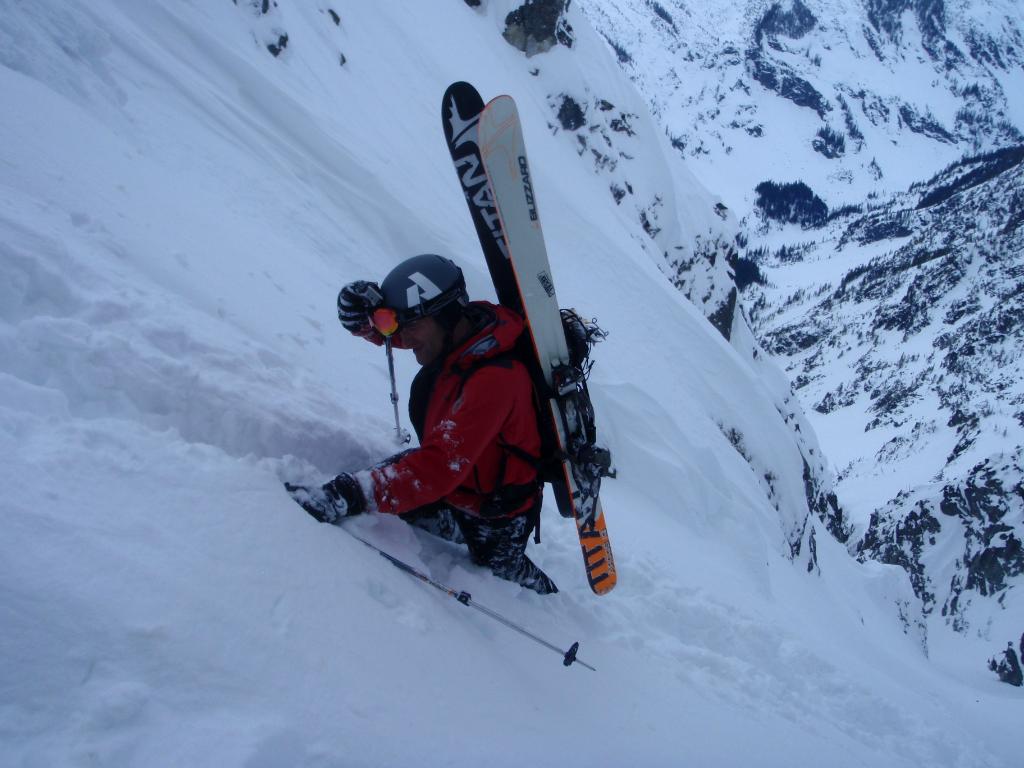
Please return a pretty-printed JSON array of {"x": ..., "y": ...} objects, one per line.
[{"x": 474, "y": 477}]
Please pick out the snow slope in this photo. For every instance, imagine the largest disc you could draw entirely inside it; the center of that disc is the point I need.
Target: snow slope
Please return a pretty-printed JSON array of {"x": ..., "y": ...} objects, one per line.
[{"x": 177, "y": 210}]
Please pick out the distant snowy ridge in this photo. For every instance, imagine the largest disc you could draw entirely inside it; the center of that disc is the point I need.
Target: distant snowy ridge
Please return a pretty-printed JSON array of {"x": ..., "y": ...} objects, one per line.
[{"x": 835, "y": 94}]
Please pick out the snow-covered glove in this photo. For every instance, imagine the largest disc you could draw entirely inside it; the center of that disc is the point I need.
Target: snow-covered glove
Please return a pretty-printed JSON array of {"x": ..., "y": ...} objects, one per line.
[
  {"x": 341, "y": 497},
  {"x": 355, "y": 303}
]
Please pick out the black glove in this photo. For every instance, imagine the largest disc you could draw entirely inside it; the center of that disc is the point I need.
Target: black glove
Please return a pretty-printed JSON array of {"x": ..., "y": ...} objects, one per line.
[
  {"x": 339, "y": 498},
  {"x": 355, "y": 303}
]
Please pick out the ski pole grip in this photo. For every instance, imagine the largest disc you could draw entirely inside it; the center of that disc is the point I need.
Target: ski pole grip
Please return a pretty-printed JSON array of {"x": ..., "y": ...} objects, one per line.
[{"x": 570, "y": 655}]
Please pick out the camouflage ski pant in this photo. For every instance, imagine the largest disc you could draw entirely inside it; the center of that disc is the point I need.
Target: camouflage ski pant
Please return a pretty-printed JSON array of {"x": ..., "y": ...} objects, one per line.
[{"x": 499, "y": 544}]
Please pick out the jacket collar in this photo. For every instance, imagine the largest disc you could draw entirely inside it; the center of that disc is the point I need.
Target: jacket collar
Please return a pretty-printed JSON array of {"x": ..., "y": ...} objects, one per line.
[{"x": 495, "y": 331}]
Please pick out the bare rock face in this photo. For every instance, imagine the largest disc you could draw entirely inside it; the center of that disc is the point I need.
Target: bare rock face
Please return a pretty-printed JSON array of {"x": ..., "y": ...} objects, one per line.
[{"x": 538, "y": 25}]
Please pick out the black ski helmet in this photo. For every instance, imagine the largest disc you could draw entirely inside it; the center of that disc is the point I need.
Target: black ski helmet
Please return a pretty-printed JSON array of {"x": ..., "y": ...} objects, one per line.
[{"x": 426, "y": 285}]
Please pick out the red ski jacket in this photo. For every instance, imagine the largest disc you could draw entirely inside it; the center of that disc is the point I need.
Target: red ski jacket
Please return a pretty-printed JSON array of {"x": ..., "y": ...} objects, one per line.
[{"x": 477, "y": 434}]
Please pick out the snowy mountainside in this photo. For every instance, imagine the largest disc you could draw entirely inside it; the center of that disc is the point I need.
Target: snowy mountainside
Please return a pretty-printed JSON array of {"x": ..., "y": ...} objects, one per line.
[
  {"x": 184, "y": 188},
  {"x": 687, "y": 233},
  {"x": 824, "y": 115},
  {"x": 901, "y": 325},
  {"x": 838, "y": 95}
]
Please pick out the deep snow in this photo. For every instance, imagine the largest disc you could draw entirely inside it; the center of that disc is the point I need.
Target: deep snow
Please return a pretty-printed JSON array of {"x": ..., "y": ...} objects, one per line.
[{"x": 177, "y": 211}]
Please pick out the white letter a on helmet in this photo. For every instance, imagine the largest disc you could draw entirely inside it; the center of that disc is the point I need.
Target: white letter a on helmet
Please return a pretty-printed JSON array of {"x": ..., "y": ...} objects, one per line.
[{"x": 421, "y": 289}]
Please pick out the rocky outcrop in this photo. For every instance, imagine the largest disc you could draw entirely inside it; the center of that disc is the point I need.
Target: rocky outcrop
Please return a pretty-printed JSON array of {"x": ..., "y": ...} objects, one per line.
[
  {"x": 538, "y": 25},
  {"x": 794, "y": 23},
  {"x": 981, "y": 518},
  {"x": 1008, "y": 667}
]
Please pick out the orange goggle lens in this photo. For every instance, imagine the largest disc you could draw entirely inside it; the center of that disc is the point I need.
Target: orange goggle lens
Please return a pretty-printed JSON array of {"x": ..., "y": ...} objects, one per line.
[{"x": 385, "y": 321}]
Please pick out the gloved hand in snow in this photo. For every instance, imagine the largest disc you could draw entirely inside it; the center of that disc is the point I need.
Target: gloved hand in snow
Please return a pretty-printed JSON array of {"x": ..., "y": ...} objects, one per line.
[
  {"x": 356, "y": 301},
  {"x": 341, "y": 497}
]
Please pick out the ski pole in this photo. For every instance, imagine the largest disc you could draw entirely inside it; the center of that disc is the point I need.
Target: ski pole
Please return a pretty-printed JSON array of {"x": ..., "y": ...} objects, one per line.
[
  {"x": 568, "y": 657},
  {"x": 401, "y": 435}
]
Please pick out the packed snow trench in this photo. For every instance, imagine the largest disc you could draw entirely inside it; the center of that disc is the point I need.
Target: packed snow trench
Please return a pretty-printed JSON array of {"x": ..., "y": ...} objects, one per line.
[{"x": 178, "y": 208}]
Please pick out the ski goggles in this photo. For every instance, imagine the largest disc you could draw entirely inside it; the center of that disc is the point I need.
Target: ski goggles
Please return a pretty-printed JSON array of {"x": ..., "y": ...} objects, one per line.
[
  {"x": 385, "y": 320},
  {"x": 388, "y": 321}
]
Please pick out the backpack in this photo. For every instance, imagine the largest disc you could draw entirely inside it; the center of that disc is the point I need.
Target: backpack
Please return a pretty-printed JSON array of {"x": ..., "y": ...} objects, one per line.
[{"x": 580, "y": 336}]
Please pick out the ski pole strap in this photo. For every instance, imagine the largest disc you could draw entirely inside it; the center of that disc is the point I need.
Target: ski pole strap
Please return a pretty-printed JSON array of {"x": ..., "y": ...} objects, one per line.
[{"x": 568, "y": 657}]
